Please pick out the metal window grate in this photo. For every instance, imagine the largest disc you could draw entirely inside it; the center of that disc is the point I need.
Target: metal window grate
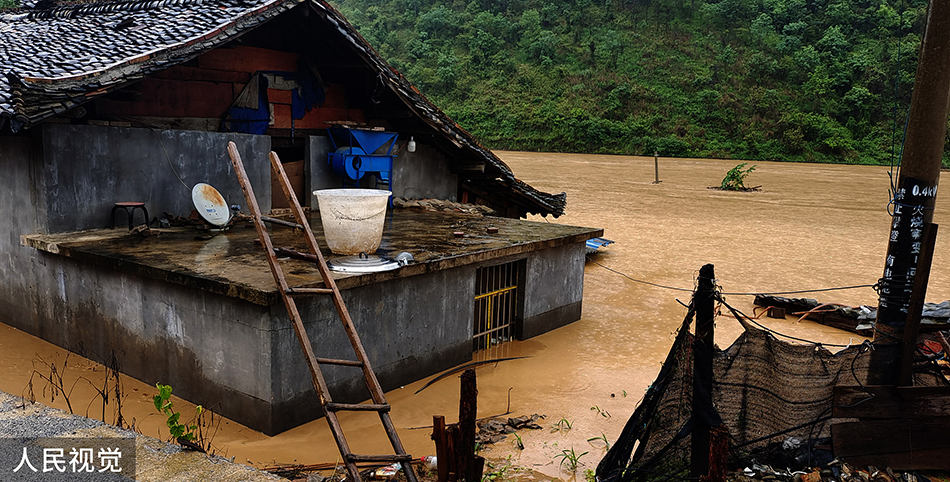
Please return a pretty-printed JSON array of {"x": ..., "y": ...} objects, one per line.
[{"x": 496, "y": 305}]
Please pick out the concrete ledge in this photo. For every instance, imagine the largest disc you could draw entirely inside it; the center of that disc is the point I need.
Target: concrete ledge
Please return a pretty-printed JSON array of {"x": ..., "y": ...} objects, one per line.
[{"x": 231, "y": 264}]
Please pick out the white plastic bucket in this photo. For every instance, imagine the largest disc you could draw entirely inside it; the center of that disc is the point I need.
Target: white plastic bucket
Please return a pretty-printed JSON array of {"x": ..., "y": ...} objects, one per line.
[{"x": 352, "y": 218}]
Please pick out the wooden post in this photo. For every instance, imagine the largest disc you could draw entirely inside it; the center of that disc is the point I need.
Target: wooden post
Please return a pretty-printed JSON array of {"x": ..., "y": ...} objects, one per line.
[
  {"x": 441, "y": 444},
  {"x": 656, "y": 167},
  {"x": 913, "y": 203},
  {"x": 705, "y": 304},
  {"x": 451, "y": 445},
  {"x": 718, "y": 455},
  {"x": 467, "y": 413}
]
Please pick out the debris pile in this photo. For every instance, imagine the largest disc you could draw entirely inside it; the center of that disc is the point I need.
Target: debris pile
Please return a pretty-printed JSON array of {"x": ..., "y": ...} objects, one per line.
[
  {"x": 441, "y": 205},
  {"x": 494, "y": 430},
  {"x": 836, "y": 472},
  {"x": 853, "y": 316}
]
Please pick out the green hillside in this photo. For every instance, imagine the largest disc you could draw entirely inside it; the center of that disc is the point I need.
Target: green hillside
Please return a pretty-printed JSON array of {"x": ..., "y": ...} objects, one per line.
[{"x": 802, "y": 80}]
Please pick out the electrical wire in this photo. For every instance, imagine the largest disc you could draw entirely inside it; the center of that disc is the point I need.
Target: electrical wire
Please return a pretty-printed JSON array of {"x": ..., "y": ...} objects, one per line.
[
  {"x": 168, "y": 158},
  {"x": 637, "y": 280},
  {"x": 896, "y": 157},
  {"x": 730, "y": 293}
]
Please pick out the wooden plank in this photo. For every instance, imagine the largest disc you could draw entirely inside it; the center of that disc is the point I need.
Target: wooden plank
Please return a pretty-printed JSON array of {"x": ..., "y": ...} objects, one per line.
[
  {"x": 248, "y": 59},
  {"x": 173, "y": 98},
  {"x": 441, "y": 446},
  {"x": 357, "y": 407},
  {"x": 181, "y": 72},
  {"x": 295, "y": 174},
  {"x": 704, "y": 300},
  {"x": 933, "y": 459},
  {"x": 309, "y": 291},
  {"x": 451, "y": 438},
  {"x": 904, "y": 443},
  {"x": 279, "y": 96},
  {"x": 379, "y": 458},
  {"x": 889, "y": 402},
  {"x": 334, "y": 361}
]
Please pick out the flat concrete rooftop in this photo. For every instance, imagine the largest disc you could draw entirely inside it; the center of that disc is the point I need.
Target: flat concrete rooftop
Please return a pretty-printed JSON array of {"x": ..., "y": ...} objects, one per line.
[{"x": 231, "y": 263}]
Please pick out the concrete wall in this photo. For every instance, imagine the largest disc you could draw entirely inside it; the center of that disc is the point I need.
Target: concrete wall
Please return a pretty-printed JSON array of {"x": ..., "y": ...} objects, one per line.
[
  {"x": 19, "y": 203},
  {"x": 196, "y": 341},
  {"x": 317, "y": 171},
  {"x": 424, "y": 174},
  {"x": 86, "y": 169},
  {"x": 554, "y": 289},
  {"x": 421, "y": 174},
  {"x": 212, "y": 349}
]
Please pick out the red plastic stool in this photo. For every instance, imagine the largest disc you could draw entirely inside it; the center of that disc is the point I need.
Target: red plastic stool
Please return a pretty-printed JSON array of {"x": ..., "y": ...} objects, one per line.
[{"x": 130, "y": 208}]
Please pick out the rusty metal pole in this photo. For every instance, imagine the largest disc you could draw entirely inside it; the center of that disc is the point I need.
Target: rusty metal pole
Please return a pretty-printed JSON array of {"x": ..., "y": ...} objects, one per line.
[{"x": 913, "y": 202}]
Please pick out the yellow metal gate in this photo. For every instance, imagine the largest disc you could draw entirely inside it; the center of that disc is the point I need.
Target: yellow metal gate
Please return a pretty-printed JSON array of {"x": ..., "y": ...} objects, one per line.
[{"x": 496, "y": 304}]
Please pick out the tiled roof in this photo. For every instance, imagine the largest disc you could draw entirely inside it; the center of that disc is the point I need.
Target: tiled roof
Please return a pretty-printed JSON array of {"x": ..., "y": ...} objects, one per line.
[
  {"x": 53, "y": 59},
  {"x": 57, "y": 58}
]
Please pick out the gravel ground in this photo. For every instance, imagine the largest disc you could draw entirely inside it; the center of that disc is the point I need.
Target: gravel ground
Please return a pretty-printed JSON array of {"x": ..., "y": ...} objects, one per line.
[{"x": 39, "y": 429}]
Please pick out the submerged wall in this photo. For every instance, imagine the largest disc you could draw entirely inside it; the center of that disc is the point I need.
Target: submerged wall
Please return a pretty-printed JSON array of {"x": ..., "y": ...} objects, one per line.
[
  {"x": 557, "y": 301},
  {"x": 406, "y": 337},
  {"x": 242, "y": 359}
]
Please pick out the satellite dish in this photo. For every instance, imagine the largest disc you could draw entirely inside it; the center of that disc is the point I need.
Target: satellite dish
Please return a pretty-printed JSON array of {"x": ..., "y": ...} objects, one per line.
[{"x": 210, "y": 204}]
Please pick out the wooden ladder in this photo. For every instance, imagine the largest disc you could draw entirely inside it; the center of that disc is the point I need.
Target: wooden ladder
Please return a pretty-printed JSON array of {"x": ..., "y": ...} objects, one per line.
[{"x": 288, "y": 293}]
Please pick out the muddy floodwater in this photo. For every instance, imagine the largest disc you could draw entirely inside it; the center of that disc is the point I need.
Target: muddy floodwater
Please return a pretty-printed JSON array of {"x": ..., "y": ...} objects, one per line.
[{"x": 810, "y": 226}]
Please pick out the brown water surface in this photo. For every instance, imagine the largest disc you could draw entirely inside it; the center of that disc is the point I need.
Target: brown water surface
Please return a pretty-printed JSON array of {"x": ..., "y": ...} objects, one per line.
[{"x": 810, "y": 226}]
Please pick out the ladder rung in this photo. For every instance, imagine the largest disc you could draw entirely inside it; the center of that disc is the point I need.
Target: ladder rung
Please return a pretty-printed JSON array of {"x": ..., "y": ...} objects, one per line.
[
  {"x": 331, "y": 361},
  {"x": 369, "y": 407},
  {"x": 309, "y": 291},
  {"x": 379, "y": 458}
]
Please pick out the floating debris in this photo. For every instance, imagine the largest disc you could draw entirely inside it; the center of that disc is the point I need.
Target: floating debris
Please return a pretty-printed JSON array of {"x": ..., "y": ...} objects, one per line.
[{"x": 495, "y": 430}]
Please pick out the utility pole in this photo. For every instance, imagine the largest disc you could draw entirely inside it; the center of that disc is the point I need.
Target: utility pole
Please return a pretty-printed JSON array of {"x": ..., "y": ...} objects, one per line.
[{"x": 913, "y": 202}]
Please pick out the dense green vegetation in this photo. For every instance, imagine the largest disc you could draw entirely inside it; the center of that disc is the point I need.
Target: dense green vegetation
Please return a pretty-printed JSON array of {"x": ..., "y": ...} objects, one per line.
[{"x": 806, "y": 80}]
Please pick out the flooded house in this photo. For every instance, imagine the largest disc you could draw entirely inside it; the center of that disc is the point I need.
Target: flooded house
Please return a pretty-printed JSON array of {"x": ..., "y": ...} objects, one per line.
[{"x": 110, "y": 113}]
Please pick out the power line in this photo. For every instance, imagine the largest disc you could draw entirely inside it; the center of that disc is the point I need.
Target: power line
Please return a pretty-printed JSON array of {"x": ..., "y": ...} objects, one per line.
[{"x": 731, "y": 294}]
